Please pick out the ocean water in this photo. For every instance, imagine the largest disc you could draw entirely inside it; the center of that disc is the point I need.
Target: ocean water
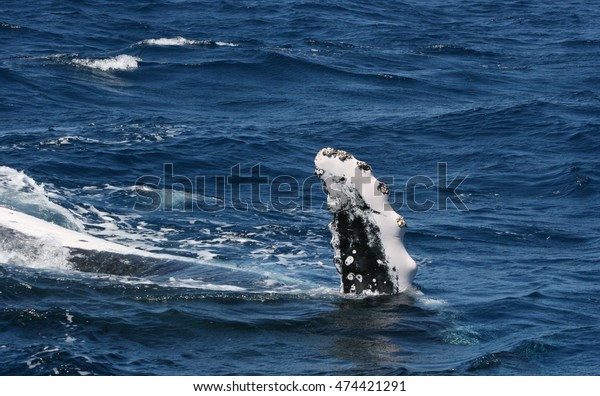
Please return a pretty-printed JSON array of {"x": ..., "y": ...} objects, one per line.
[{"x": 122, "y": 119}]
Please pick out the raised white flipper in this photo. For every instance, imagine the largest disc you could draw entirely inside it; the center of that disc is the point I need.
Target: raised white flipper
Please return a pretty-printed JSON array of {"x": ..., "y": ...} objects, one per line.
[{"x": 367, "y": 234}]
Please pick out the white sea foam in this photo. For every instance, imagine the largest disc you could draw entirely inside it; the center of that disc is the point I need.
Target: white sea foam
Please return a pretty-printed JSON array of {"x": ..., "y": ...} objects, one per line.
[
  {"x": 119, "y": 62},
  {"x": 175, "y": 41},
  {"x": 198, "y": 284},
  {"x": 66, "y": 140},
  {"x": 225, "y": 44},
  {"x": 130, "y": 134},
  {"x": 19, "y": 191},
  {"x": 39, "y": 358},
  {"x": 9, "y": 26},
  {"x": 182, "y": 41}
]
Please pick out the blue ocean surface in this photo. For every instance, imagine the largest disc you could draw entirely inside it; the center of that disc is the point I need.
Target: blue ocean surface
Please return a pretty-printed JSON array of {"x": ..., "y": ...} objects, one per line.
[{"x": 129, "y": 120}]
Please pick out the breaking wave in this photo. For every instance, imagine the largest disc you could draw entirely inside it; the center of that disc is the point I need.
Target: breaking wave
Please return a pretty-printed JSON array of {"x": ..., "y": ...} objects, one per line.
[
  {"x": 119, "y": 62},
  {"x": 182, "y": 41}
]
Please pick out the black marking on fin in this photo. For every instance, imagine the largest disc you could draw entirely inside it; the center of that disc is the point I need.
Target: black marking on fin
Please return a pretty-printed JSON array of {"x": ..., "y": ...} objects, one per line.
[{"x": 362, "y": 259}]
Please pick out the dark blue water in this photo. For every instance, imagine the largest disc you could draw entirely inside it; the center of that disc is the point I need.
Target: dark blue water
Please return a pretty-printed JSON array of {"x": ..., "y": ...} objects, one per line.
[{"x": 506, "y": 94}]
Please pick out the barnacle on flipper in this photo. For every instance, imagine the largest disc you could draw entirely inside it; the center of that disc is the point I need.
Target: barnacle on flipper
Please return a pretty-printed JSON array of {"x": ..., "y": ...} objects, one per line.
[
  {"x": 343, "y": 155},
  {"x": 329, "y": 152},
  {"x": 363, "y": 165},
  {"x": 383, "y": 188},
  {"x": 401, "y": 222}
]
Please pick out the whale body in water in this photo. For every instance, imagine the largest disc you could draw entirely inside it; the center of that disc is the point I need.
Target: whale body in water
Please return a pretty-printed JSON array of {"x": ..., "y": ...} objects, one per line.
[
  {"x": 21, "y": 232},
  {"x": 367, "y": 234}
]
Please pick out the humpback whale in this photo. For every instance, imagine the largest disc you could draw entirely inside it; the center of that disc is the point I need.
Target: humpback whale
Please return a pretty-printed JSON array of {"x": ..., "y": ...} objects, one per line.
[
  {"x": 81, "y": 251},
  {"x": 367, "y": 234}
]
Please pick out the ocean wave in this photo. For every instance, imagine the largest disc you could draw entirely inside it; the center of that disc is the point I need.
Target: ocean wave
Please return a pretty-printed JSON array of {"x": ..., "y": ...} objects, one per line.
[
  {"x": 182, "y": 41},
  {"x": 529, "y": 350},
  {"x": 175, "y": 41},
  {"x": 225, "y": 44},
  {"x": 4, "y": 25},
  {"x": 48, "y": 57},
  {"x": 67, "y": 140},
  {"x": 19, "y": 191},
  {"x": 457, "y": 50},
  {"x": 119, "y": 62},
  {"x": 118, "y": 134},
  {"x": 331, "y": 44},
  {"x": 275, "y": 63}
]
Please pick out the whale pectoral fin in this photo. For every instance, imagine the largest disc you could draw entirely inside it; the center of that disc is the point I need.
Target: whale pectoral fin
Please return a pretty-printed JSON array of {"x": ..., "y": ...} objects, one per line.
[
  {"x": 361, "y": 255},
  {"x": 366, "y": 232}
]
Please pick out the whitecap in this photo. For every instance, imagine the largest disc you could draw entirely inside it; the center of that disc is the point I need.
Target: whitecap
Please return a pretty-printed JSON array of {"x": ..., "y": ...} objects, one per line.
[
  {"x": 9, "y": 26},
  {"x": 67, "y": 140},
  {"x": 19, "y": 191},
  {"x": 182, "y": 41},
  {"x": 175, "y": 41},
  {"x": 120, "y": 62},
  {"x": 225, "y": 44}
]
